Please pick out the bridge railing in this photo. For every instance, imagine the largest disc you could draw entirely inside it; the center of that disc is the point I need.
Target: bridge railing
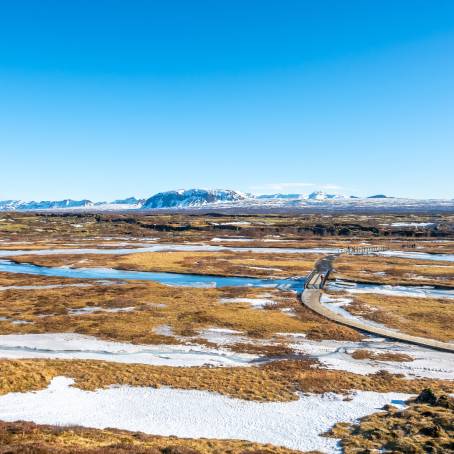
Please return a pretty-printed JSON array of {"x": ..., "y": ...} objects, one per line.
[
  {"x": 313, "y": 278},
  {"x": 361, "y": 250}
]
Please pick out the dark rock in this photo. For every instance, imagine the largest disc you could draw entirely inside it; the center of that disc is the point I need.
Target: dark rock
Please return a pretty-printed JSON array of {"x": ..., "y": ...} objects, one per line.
[
  {"x": 445, "y": 402},
  {"x": 179, "y": 450},
  {"x": 427, "y": 396},
  {"x": 431, "y": 431}
]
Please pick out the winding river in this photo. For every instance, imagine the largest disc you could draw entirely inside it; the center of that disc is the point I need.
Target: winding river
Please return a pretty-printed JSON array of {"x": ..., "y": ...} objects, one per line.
[
  {"x": 175, "y": 279},
  {"x": 188, "y": 280}
]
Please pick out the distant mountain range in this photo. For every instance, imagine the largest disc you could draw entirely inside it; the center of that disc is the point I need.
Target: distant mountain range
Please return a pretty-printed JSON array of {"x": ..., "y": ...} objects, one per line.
[
  {"x": 217, "y": 198},
  {"x": 191, "y": 198},
  {"x": 67, "y": 204}
]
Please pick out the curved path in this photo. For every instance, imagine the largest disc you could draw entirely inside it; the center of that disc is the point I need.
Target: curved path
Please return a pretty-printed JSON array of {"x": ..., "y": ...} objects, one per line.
[{"x": 310, "y": 297}]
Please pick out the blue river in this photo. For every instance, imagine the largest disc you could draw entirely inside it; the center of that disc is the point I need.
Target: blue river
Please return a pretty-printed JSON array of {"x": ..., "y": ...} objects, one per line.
[{"x": 175, "y": 279}]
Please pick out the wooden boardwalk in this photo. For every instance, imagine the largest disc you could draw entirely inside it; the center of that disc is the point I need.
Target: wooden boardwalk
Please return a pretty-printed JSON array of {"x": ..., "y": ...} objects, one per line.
[
  {"x": 361, "y": 250},
  {"x": 310, "y": 297}
]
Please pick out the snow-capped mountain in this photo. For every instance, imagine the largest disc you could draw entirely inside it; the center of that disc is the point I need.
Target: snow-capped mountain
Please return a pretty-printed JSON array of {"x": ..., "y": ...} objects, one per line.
[
  {"x": 229, "y": 199},
  {"x": 279, "y": 196},
  {"x": 44, "y": 204},
  {"x": 69, "y": 204},
  {"x": 128, "y": 201},
  {"x": 191, "y": 198},
  {"x": 320, "y": 195},
  {"x": 316, "y": 195}
]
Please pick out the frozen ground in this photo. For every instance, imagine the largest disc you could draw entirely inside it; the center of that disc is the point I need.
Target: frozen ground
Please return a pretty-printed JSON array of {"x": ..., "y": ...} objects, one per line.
[
  {"x": 232, "y": 239},
  {"x": 217, "y": 248},
  {"x": 336, "y": 355},
  {"x": 52, "y": 286},
  {"x": 76, "y": 346},
  {"x": 392, "y": 290},
  {"x": 418, "y": 255},
  {"x": 338, "y": 305},
  {"x": 409, "y": 224},
  {"x": 254, "y": 302},
  {"x": 195, "y": 414},
  {"x": 168, "y": 247},
  {"x": 94, "y": 309},
  {"x": 332, "y": 354},
  {"x": 175, "y": 279},
  {"x": 223, "y": 336}
]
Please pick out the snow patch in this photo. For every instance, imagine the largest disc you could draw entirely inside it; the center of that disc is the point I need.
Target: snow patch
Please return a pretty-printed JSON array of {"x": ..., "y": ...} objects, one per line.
[
  {"x": 254, "y": 302},
  {"x": 76, "y": 346},
  {"x": 392, "y": 290},
  {"x": 296, "y": 425}
]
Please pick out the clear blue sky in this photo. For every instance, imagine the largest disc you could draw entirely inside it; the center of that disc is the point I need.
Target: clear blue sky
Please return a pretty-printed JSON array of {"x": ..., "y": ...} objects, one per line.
[{"x": 106, "y": 98}]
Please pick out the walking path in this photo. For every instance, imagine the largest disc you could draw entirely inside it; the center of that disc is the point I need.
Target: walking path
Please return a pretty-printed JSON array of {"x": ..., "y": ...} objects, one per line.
[{"x": 310, "y": 297}]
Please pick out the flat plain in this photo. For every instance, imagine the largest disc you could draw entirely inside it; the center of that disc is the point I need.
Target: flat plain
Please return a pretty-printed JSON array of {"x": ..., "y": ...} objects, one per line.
[{"x": 150, "y": 315}]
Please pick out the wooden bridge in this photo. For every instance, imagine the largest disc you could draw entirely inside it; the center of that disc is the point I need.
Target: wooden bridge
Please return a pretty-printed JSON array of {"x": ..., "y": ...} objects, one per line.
[
  {"x": 310, "y": 297},
  {"x": 361, "y": 250},
  {"x": 318, "y": 276}
]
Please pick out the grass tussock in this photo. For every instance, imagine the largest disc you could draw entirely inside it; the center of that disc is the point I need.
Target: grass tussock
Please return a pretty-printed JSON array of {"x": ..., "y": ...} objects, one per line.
[
  {"x": 28, "y": 438},
  {"x": 427, "y": 425},
  {"x": 185, "y": 310},
  {"x": 275, "y": 381},
  {"x": 397, "y": 270},
  {"x": 425, "y": 317},
  {"x": 11, "y": 279}
]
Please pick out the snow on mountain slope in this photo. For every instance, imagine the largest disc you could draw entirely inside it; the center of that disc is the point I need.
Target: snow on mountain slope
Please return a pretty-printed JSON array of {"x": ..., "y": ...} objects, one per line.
[
  {"x": 320, "y": 195},
  {"x": 226, "y": 198},
  {"x": 128, "y": 201},
  {"x": 191, "y": 198},
  {"x": 280, "y": 196},
  {"x": 316, "y": 195},
  {"x": 44, "y": 204}
]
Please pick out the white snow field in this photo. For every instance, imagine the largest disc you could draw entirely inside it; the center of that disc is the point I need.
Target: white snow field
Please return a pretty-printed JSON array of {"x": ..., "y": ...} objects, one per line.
[
  {"x": 423, "y": 291},
  {"x": 77, "y": 346},
  {"x": 426, "y": 363},
  {"x": 166, "y": 247},
  {"x": 254, "y": 302},
  {"x": 331, "y": 354},
  {"x": 418, "y": 255},
  {"x": 339, "y": 305},
  {"x": 411, "y": 224},
  {"x": 164, "y": 411},
  {"x": 216, "y": 248}
]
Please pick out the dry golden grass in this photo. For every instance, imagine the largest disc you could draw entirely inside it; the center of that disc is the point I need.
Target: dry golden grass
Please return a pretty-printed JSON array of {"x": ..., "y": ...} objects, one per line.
[
  {"x": 420, "y": 428},
  {"x": 29, "y": 438},
  {"x": 446, "y": 246},
  {"x": 11, "y": 279},
  {"x": 274, "y": 381},
  {"x": 424, "y": 317},
  {"x": 184, "y": 310},
  {"x": 262, "y": 265},
  {"x": 224, "y": 263},
  {"x": 387, "y": 356},
  {"x": 398, "y": 270}
]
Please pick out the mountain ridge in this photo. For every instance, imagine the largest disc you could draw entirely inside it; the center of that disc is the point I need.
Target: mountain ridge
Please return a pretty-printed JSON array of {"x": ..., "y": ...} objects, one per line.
[{"x": 214, "y": 198}]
